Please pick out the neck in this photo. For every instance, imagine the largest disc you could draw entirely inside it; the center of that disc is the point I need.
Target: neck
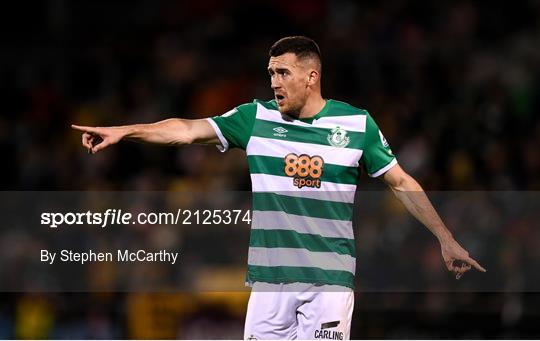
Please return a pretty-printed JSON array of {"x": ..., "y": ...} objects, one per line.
[{"x": 312, "y": 107}]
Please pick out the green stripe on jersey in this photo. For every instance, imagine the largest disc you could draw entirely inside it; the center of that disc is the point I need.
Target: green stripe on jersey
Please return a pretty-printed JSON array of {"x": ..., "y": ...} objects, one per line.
[
  {"x": 270, "y": 105},
  {"x": 259, "y": 164},
  {"x": 314, "y": 135},
  {"x": 289, "y": 274},
  {"x": 264, "y": 201},
  {"x": 340, "y": 108},
  {"x": 293, "y": 239}
]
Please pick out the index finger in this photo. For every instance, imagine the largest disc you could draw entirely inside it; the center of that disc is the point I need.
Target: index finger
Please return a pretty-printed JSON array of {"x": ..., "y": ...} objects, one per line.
[
  {"x": 85, "y": 129},
  {"x": 475, "y": 264}
]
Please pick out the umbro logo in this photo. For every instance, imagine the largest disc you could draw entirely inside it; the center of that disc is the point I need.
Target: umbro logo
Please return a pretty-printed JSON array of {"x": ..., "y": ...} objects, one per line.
[{"x": 280, "y": 132}]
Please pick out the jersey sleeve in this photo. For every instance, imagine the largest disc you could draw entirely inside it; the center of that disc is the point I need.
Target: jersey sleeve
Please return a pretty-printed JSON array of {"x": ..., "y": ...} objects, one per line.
[
  {"x": 377, "y": 157},
  {"x": 234, "y": 127}
]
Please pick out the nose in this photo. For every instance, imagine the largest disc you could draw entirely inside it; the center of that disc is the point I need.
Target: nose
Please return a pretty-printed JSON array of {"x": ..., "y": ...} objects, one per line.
[{"x": 274, "y": 83}]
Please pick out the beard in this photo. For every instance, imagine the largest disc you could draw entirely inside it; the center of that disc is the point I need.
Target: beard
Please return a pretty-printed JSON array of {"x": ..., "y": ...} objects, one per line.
[
  {"x": 293, "y": 110},
  {"x": 290, "y": 112}
]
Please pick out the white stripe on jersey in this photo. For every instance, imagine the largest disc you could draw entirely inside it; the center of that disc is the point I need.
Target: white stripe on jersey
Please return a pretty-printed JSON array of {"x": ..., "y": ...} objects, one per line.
[
  {"x": 349, "y": 123},
  {"x": 269, "y": 220},
  {"x": 280, "y": 148},
  {"x": 330, "y": 191},
  {"x": 281, "y": 256}
]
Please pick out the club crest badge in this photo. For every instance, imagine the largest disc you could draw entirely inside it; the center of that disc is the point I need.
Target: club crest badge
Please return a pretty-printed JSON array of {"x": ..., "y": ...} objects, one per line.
[{"x": 338, "y": 137}]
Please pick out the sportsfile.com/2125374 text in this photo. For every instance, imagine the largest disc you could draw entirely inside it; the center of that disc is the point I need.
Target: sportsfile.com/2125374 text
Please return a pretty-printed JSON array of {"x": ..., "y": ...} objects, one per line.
[{"x": 120, "y": 217}]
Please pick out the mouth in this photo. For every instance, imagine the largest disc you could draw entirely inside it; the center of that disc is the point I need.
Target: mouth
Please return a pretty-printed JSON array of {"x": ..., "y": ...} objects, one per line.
[{"x": 280, "y": 99}]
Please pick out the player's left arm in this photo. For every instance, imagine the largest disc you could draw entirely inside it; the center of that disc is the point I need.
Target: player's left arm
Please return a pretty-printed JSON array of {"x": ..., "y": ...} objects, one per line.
[{"x": 411, "y": 194}]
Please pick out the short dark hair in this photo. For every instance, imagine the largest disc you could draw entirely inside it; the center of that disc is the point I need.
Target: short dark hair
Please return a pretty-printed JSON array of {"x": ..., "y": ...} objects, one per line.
[{"x": 302, "y": 47}]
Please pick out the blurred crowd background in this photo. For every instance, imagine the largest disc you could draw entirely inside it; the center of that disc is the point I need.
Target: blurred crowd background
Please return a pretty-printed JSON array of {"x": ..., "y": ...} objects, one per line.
[{"x": 454, "y": 86}]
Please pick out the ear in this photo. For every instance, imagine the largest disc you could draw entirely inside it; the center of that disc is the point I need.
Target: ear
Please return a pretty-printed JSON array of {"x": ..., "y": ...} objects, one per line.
[{"x": 313, "y": 77}]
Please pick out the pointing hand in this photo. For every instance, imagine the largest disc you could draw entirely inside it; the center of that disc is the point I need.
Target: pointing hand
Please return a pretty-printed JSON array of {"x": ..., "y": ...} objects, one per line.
[{"x": 98, "y": 138}]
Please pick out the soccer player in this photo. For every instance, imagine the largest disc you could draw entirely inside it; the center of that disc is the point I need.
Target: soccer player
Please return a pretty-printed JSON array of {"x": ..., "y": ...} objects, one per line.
[{"x": 304, "y": 154}]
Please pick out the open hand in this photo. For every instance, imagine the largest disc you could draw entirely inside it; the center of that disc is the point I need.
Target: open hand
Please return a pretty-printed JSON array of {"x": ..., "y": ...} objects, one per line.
[
  {"x": 453, "y": 252},
  {"x": 98, "y": 138}
]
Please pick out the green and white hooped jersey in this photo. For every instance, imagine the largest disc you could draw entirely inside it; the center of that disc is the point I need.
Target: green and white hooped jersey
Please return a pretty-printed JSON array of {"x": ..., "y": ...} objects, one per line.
[{"x": 304, "y": 174}]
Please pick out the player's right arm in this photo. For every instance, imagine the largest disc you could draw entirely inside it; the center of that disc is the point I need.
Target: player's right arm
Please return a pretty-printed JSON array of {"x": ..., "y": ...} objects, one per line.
[{"x": 172, "y": 132}]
